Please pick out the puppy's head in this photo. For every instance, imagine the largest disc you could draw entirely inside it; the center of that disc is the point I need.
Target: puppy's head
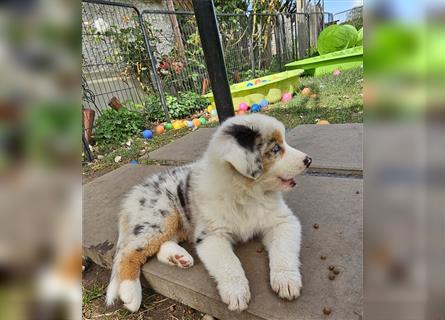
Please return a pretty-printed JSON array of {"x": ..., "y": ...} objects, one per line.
[{"x": 255, "y": 146}]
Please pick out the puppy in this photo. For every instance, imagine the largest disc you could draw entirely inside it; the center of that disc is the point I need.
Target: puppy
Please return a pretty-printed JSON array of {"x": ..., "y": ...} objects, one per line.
[{"x": 230, "y": 195}]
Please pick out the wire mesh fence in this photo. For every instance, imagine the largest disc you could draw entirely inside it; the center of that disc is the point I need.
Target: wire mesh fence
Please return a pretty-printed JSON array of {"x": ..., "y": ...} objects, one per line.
[
  {"x": 137, "y": 57},
  {"x": 352, "y": 16},
  {"x": 110, "y": 62}
]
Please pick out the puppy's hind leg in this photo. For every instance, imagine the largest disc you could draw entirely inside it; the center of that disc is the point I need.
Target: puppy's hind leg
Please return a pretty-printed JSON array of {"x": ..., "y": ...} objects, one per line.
[
  {"x": 173, "y": 254},
  {"x": 132, "y": 254}
]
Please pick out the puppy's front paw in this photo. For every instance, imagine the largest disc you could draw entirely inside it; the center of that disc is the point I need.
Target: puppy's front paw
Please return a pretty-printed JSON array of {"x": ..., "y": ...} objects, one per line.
[
  {"x": 235, "y": 293},
  {"x": 130, "y": 292},
  {"x": 287, "y": 284}
]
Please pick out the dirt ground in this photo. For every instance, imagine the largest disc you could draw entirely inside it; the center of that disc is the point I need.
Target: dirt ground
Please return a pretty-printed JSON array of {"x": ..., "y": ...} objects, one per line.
[{"x": 154, "y": 306}]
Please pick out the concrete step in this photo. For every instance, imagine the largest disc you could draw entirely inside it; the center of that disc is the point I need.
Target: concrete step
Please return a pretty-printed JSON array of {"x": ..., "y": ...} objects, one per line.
[
  {"x": 333, "y": 148},
  {"x": 333, "y": 203}
]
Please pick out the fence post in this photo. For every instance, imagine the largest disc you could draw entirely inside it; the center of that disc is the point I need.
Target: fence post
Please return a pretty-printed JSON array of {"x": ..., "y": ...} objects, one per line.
[
  {"x": 252, "y": 49},
  {"x": 214, "y": 57},
  {"x": 308, "y": 19},
  {"x": 277, "y": 40},
  {"x": 158, "y": 83}
]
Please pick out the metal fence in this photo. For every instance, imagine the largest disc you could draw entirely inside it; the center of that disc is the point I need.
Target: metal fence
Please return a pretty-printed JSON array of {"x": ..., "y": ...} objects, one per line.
[
  {"x": 129, "y": 54},
  {"x": 352, "y": 16}
]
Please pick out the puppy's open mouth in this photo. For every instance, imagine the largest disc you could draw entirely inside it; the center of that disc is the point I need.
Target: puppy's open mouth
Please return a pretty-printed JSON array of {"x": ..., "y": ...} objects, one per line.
[{"x": 288, "y": 182}]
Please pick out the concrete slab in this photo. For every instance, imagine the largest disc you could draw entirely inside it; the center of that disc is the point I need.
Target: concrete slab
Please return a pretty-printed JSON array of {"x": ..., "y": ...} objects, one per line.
[
  {"x": 186, "y": 149},
  {"x": 336, "y": 206},
  {"x": 101, "y": 204},
  {"x": 333, "y": 203},
  {"x": 335, "y": 147}
]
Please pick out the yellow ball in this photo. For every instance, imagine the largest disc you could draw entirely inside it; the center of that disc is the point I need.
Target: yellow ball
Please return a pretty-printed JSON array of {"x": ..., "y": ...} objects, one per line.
[
  {"x": 210, "y": 108},
  {"x": 184, "y": 124},
  {"x": 176, "y": 125},
  {"x": 323, "y": 122}
]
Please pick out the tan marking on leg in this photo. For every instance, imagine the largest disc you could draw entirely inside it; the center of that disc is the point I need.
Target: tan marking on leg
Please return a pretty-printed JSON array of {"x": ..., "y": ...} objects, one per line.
[{"x": 131, "y": 263}]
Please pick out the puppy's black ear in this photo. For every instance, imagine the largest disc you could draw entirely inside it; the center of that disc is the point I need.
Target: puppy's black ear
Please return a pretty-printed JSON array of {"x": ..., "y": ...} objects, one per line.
[{"x": 244, "y": 154}]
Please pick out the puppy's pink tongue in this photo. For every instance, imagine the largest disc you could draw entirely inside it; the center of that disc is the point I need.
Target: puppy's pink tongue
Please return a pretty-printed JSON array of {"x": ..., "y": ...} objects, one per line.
[{"x": 290, "y": 182}]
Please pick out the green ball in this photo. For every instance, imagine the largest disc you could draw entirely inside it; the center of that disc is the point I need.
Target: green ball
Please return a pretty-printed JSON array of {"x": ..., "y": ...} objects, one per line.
[
  {"x": 202, "y": 120},
  {"x": 168, "y": 126}
]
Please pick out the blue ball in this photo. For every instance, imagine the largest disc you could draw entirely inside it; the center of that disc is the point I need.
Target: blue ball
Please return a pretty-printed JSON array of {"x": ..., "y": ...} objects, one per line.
[
  {"x": 255, "y": 108},
  {"x": 264, "y": 103},
  {"x": 250, "y": 84},
  {"x": 190, "y": 124},
  {"x": 147, "y": 134},
  {"x": 264, "y": 81},
  {"x": 133, "y": 162}
]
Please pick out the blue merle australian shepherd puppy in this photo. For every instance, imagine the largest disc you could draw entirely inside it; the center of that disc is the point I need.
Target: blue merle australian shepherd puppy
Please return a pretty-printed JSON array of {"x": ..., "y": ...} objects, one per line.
[{"x": 231, "y": 194}]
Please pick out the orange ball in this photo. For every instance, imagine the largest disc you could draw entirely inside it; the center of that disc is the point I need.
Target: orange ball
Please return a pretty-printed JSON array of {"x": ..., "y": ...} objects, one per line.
[
  {"x": 306, "y": 91},
  {"x": 241, "y": 112},
  {"x": 196, "y": 122},
  {"x": 160, "y": 129},
  {"x": 323, "y": 122}
]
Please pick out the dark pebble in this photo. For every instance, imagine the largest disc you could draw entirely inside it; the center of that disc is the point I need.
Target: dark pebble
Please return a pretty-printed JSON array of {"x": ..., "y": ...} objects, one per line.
[
  {"x": 357, "y": 192},
  {"x": 331, "y": 268},
  {"x": 327, "y": 311},
  {"x": 332, "y": 276},
  {"x": 323, "y": 257},
  {"x": 316, "y": 226},
  {"x": 336, "y": 271}
]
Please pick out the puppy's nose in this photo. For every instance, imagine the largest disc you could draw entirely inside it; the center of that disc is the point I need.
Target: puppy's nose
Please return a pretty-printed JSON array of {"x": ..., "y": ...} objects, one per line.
[{"x": 307, "y": 161}]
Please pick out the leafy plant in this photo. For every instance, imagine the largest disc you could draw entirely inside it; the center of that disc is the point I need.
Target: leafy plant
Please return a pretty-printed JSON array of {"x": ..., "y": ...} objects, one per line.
[
  {"x": 115, "y": 127},
  {"x": 182, "y": 106}
]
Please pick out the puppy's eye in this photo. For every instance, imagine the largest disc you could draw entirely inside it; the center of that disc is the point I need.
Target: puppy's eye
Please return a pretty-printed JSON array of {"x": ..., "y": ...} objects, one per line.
[{"x": 276, "y": 148}]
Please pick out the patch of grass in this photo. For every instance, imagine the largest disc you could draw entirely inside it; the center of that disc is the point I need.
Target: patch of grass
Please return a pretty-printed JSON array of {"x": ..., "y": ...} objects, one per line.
[
  {"x": 138, "y": 151},
  {"x": 91, "y": 294},
  {"x": 338, "y": 99}
]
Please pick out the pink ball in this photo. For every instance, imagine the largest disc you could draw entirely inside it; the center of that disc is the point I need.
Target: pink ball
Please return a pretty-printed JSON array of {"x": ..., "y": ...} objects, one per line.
[
  {"x": 243, "y": 106},
  {"x": 286, "y": 97},
  {"x": 336, "y": 72}
]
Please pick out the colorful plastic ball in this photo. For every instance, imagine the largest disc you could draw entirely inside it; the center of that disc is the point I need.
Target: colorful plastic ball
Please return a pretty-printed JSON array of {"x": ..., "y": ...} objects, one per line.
[
  {"x": 185, "y": 124},
  {"x": 286, "y": 97},
  {"x": 202, "y": 120},
  {"x": 323, "y": 122},
  {"x": 177, "y": 125},
  {"x": 160, "y": 129},
  {"x": 210, "y": 108},
  {"x": 264, "y": 103},
  {"x": 255, "y": 108},
  {"x": 196, "y": 122},
  {"x": 168, "y": 126},
  {"x": 257, "y": 81},
  {"x": 133, "y": 162},
  {"x": 306, "y": 92},
  {"x": 264, "y": 81},
  {"x": 336, "y": 72},
  {"x": 241, "y": 112},
  {"x": 250, "y": 84},
  {"x": 214, "y": 113},
  {"x": 190, "y": 124},
  {"x": 243, "y": 106},
  {"x": 147, "y": 134}
]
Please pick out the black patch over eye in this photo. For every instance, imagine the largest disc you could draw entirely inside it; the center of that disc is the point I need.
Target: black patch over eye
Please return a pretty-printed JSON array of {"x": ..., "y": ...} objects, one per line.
[
  {"x": 245, "y": 136},
  {"x": 276, "y": 148}
]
